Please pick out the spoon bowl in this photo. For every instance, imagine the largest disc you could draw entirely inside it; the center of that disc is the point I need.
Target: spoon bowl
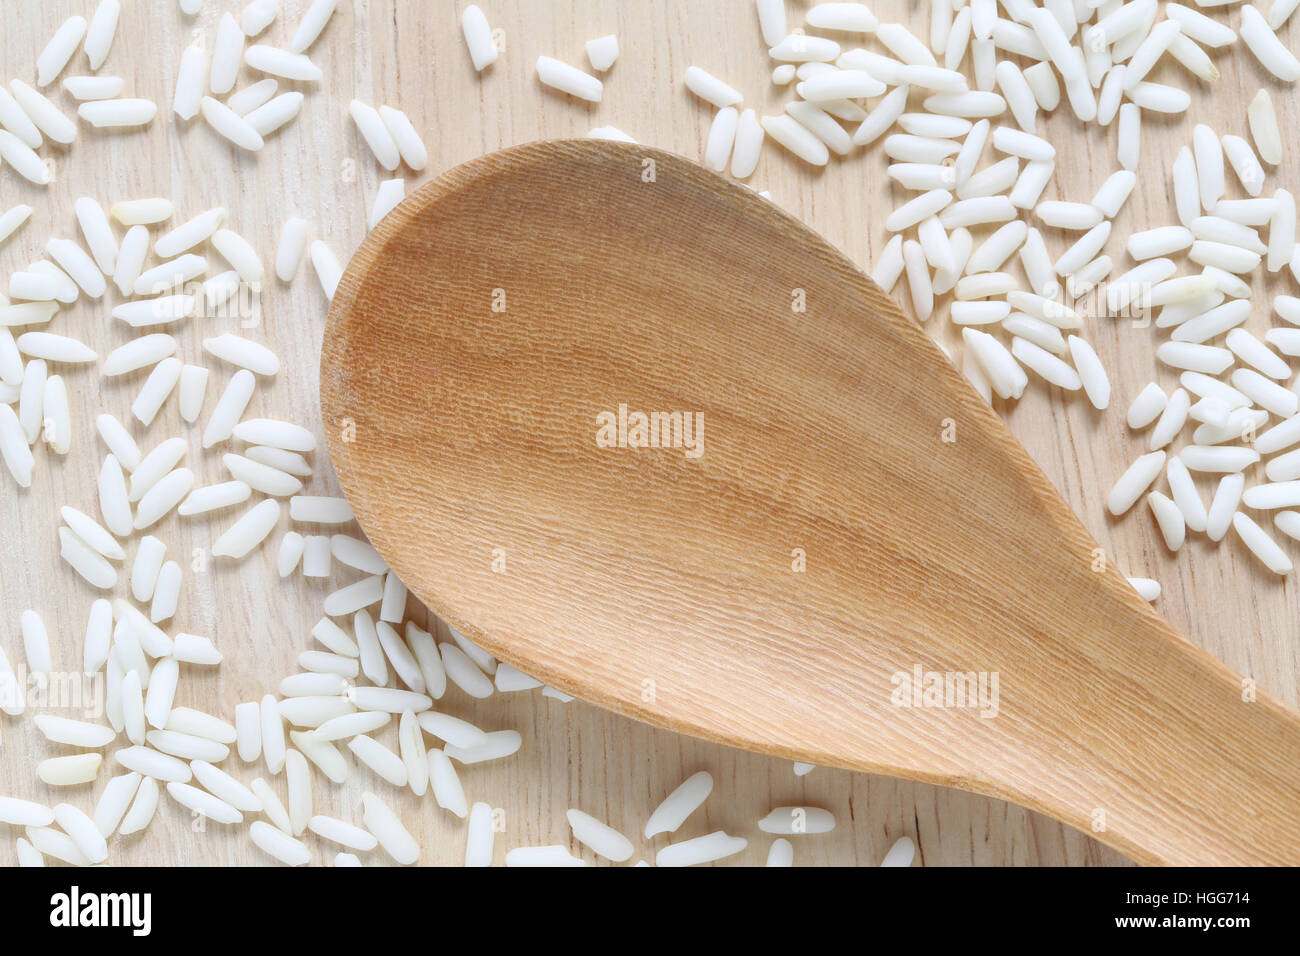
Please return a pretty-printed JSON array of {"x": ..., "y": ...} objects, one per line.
[{"x": 646, "y": 437}]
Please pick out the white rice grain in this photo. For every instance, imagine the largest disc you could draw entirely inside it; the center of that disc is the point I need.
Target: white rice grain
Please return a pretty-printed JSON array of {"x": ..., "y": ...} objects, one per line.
[
  {"x": 822, "y": 125},
  {"x": 710, "y": 848},
  {"x": 203, "y": 805},
  {"x": 249, "y": 531},
  {"x": 214, "y": 497},
  {"x": 1019, "y": 95},
  {"x": 1092, "y": 374},
  {"x": 1244, "y": 164},
  {"x": 342, "y": 833},
  {"x": 900, "y": 854},
  {"x": 498, "y": 744},
  {"x": 86, "y": 561},
  {"x": 282, "y": 63},
  {"x": 1263, "y": 128},
  {"x": 188, "y": 234},
  {"x": 278, "y": 844},
  {"x": 1134, "y": 482},
  {"x": 292, "y": 245},
  {"x": 77, "y": 264},
  {"x": 599, "y": 836},
  {"x": 230, "y": 125},
  {"x": 1072, "y": 216},
  {"x": 918, "y": 279},
  {"x": 157, "y": 387},
  {"x": 375, "y": 133},
  {"x": 1218, "y": 459},
  {"x": 1260, "y": 544},
  {"x": 1186, "y": 497},
  {"x": 69, "y": 771},
  {"x": 478, "y": 38},
  {"x": 409, "y": 144},
  {"x": 721, "y": 138},
  {"x": 241, "y": 255},
  {"x": 252, "y": 96},
  {"x": 795, "y": 137},
  {"x": 91, "y": 532},
  {"x": 845, "y": 17},
  {"x": 328, "y": 270},
  {"x": 312, "y": 24},
  {"x": 680, "y": 804},
  {"x": 480, "y": 837},
  {"x": 843, "y": 84},
  {"x": 388, "y": 830},
  {"x": 289, "y": 554},
  {"x": 59, "y": 50},
  {"x": 797, "y": 820},
  {"x": 101, "y": 31},
  {"x": 1027, "y": 146},
  {"x": 380, "y": 759},
  {"x": 22, "y": 158},
  {"x": 190, "y": 82},
  {"x": 748, "y": 145},
  {"x": 270, "y": 116},
  {"x": 196, "y": 723},
  {"x": 12, "y": 219},
  {"x": 316, "y": 556},
  {"x": 906, "y": 148},
  {"x": 993, "y": 180},
  {"x": 979, "y": 313},
  {"x": 1281, "y": 231},
  {"x": 272, "y": 735},
  {"x": 882, "y": 117},
  {"x": 917, "y": 209},
  {"x": 54, "y": 348},
  {"x": 226, "y": 50},
  {"x": 1270, "y": 396},
  {"x": 542, "y": 856},
  {"x": 258, "y": 15},
  {"x": 1256, "y": 354},
  {"x": 1003, "y": 372},
  {"x": 1199, "y": 27},
  {"x": 1270, "y": 51},
  {"x": 802, "y": 48},
  {"x": 573, "y": 81},
  {"x": 1161, "y": 241},
  {"x": 1037, "y": 264},
  {"x": 271, "y": 805},
  {"x": 192, "y": 649},
  {"x": 1130, "y": 136},
  {"x": 966, "y": 213},
  {"x": 17, "y": 124},
  {"x": 1208, "y": 151},
  {"x": 81, "y": 828},
  {"x": 159, "y": 501},
  {"x": 118, "y": 113},
  {"x": 114, "y": 503},
  {"x": 244, "y": 353}
]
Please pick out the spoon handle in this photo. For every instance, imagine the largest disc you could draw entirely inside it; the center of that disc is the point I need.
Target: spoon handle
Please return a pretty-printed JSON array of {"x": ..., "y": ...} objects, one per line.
[{"x": 1172, "y": 757}]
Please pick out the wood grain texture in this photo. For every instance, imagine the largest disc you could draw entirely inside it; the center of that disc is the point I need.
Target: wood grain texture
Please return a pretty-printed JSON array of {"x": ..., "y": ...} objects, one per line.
[{"x": 574, "y": 755}]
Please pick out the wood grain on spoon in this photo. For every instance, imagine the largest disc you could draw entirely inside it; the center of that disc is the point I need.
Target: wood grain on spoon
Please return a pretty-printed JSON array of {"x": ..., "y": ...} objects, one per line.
[{"x": 768, "y": 592}]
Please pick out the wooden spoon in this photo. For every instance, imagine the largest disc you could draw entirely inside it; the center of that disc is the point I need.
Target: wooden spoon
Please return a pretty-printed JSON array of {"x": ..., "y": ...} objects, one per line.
[{"x": 779, "y": 591}]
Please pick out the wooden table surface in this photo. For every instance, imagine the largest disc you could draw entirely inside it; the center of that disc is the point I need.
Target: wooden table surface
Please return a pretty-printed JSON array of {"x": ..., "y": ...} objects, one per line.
[{"x": 411, "y": 55}]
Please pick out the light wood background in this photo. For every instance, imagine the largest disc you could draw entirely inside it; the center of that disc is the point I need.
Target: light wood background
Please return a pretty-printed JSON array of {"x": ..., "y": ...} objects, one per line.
[{"x": 412, "y": 56}]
